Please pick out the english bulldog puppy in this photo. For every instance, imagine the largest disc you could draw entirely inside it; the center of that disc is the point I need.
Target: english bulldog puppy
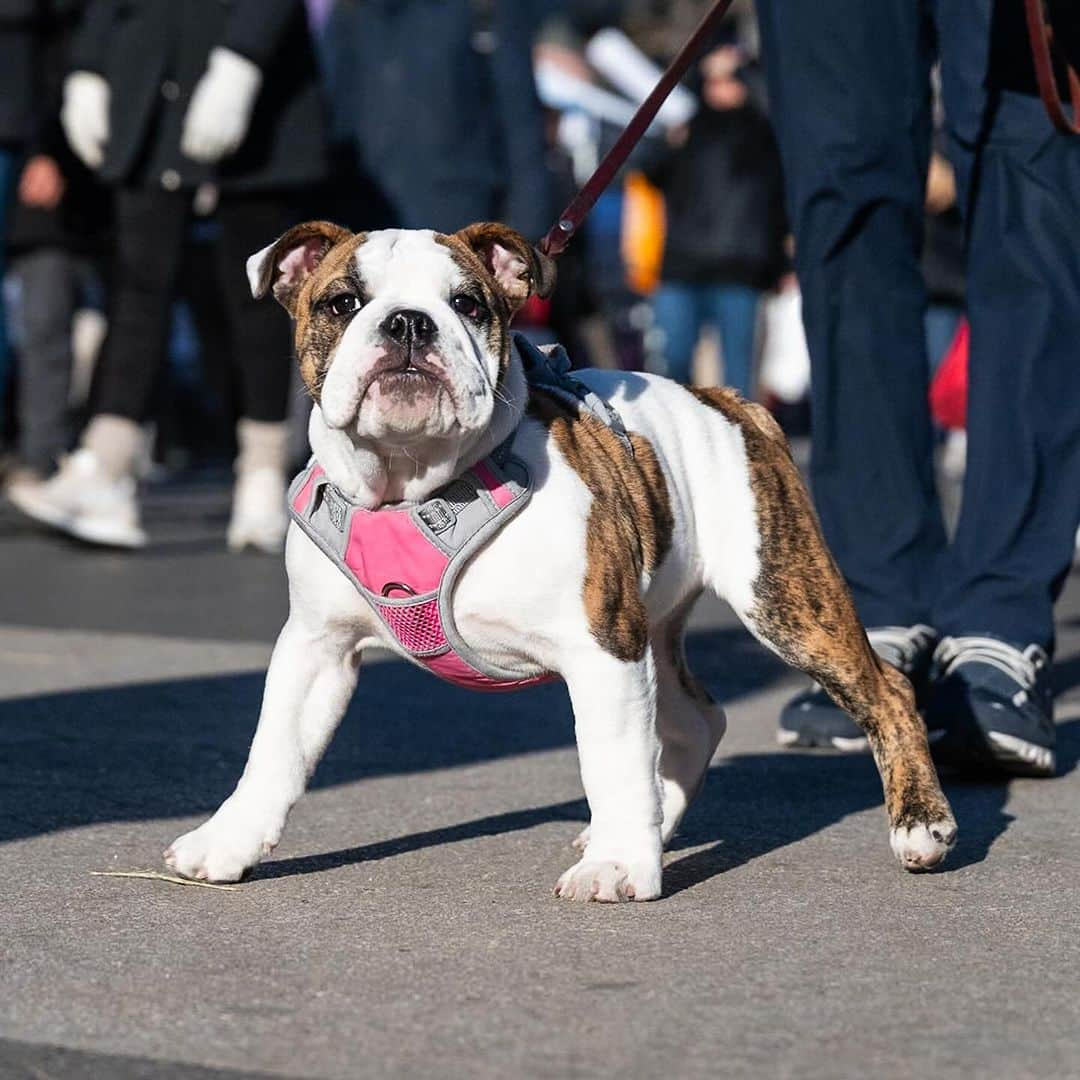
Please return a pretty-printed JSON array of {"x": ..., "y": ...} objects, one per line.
[{"x": 404, "y": 341}]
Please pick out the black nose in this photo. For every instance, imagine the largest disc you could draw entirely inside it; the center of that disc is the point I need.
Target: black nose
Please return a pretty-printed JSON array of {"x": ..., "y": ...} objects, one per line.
[{"x": 413, "y": 329}]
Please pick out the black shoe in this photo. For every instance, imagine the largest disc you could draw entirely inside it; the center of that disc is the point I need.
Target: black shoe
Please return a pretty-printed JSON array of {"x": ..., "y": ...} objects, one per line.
[
  {"x": 811, "y": 718},
  {"x": 995, "y": 702}
]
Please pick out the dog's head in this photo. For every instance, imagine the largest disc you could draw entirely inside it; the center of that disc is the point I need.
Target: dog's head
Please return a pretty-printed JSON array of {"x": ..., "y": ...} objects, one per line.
[{"x": 402, "y": 335}]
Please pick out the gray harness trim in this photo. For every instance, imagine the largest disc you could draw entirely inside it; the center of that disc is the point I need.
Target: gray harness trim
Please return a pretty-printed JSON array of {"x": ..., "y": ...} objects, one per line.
[{"x": 459, "y": 518}]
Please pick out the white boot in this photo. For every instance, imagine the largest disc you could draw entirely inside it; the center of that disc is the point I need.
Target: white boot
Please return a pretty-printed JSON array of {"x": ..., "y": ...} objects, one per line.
[
  {"x": 92, "y": 496},
  {"x": 259, "y": 517}
]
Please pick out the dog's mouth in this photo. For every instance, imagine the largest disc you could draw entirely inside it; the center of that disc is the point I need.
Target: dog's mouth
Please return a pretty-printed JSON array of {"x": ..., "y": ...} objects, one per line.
[{"x": 406, "y": 379}]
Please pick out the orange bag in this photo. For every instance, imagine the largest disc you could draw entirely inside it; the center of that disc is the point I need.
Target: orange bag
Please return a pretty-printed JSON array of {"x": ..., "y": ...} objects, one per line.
[{"x": 643, "y": 230}]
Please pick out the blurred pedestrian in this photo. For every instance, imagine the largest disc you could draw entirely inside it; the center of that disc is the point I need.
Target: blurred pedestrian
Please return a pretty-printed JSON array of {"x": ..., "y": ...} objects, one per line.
[
  {"x": 723, "y": 195},
  {"x": 849, "y": 89},
  {"x": 438, "y": 103},
  {"x": 174, "y": 103},
  {"x": 57, "y": 236},
  {"x": 18, "y": 99}
]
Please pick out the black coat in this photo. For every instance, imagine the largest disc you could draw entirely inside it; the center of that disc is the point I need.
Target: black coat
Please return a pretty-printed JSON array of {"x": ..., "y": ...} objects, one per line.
[
  {"x": 438, "y": 98},
  {"x": 80, "y": 222},
  {"x": 724, "y": 201},
  {"x": 153, "y": 53},
  {"x": 19, "y": 21}
]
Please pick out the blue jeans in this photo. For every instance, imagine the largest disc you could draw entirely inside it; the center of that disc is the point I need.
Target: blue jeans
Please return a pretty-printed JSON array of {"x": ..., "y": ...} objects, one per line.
[
  {"x": 848, "y": 84},
  {"x": 10, "y": 163},
  {"x": 682, "y": 311}
]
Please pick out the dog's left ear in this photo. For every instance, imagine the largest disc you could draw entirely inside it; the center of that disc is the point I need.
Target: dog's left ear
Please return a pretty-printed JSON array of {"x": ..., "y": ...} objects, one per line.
[
  {"x": 519, "y": 269},
  {"x": 289, "y": 261}
]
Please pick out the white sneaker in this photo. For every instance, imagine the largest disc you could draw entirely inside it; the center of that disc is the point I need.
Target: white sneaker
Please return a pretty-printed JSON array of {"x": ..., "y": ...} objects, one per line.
[
  {"x": 259, "y": 517},
  {"x": 84, "y": 501}
]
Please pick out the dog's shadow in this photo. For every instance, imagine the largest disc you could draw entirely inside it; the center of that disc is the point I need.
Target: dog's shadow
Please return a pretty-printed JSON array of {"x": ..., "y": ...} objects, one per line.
[
  {"x": 751, "y": 804},
  {"x": 175, "y": 749}
]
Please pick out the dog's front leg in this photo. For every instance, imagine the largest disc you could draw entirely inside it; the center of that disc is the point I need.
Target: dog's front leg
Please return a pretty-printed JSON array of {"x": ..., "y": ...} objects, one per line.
[
  {"x": 615, "y": 721},
  {"x": 311, "y": 679}
]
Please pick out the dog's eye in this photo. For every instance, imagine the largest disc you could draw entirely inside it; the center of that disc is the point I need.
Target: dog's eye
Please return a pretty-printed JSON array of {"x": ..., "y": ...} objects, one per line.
[
  {"x": 344, "y": 304},
  {"x": 467, "y": 305}
]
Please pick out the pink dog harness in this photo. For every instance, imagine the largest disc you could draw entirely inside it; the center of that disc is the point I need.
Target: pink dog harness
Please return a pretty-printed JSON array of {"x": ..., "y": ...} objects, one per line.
[{"x": 405, "y": 560}]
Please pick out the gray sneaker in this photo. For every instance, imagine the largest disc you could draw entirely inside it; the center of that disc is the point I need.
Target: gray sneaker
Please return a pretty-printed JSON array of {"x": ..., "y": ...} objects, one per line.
[{"x": 812, "y": 718}]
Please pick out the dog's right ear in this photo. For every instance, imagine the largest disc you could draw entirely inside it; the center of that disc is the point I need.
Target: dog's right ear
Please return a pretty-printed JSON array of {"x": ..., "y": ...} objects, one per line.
[{"x": 290, "y": 260}]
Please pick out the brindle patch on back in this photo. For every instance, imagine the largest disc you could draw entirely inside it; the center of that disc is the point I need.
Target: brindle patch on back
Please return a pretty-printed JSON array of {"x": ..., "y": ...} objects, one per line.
[{"x": 630, "y": 521}]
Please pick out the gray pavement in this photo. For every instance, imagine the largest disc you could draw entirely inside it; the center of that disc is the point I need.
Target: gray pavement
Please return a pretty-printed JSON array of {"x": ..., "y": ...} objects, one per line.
[{"x": 405, "y": 925}]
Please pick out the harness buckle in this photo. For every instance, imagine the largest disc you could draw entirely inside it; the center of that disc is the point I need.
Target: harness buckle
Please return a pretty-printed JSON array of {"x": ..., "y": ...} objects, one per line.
[{"x": 436, "y": 515}]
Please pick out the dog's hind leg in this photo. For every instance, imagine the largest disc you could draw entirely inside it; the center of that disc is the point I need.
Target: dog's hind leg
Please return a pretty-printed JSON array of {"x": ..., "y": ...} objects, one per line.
[
  {"x": 795, "y": 601},
  {"x": 689, "y": 722}
]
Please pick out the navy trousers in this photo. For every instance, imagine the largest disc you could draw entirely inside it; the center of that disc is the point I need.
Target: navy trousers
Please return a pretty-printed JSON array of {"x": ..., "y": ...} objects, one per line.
[{"x": 850, "y": 96}]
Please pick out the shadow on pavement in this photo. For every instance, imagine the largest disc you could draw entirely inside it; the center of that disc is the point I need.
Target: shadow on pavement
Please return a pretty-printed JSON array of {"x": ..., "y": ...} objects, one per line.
[
  {"x": 176, "y": 748},
  {"x": 575, "y": 811},
  {"x": 761, "y": 802},
  {"x": 751, "y": 805},
  {"x": 35, "y": 1061},
  {"x": 173, "y": 749}
]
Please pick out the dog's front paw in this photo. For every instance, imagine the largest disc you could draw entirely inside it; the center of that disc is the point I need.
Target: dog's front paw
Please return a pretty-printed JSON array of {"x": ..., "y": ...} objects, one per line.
[
  {"x": 219, "y": 850},
  {"x": 609, "y": 882},
  {"x": 923, "y": 846}
]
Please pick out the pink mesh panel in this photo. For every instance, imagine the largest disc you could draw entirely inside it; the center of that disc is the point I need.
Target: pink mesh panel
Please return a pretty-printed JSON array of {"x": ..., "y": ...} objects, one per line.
[
  {"x": 303, "y": 496},
  {"x": 417, "y": 626}
]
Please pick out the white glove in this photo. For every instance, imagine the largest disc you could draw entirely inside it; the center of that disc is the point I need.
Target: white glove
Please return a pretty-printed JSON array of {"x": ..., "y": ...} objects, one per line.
[
  {"x": 85, "y": 116},
  {"x": 220, "y": 111}
]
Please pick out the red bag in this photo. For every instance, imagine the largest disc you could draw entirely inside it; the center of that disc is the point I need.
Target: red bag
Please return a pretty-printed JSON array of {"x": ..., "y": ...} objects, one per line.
[{"x": 949, "y": 389}]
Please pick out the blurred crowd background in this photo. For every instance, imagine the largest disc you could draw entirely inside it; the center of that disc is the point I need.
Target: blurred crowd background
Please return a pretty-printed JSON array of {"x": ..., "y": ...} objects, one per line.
[{"x": 147, "y": 147}]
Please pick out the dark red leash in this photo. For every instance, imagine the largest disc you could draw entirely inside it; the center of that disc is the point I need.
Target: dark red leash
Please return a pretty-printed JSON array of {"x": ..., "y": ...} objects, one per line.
[
  {"x": 1043, "y": 52},
  {"x": 560, "y": 234},
  {"x": 570, "y": 221}
]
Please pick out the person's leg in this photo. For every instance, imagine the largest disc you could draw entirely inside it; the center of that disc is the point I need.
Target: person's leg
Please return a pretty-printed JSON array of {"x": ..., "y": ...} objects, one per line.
[
  {"x": 10, "y": 162},
  {"x": 261, "y": 339},
  {"x": 850, "y": 99},
  {"x": 1020, "y": 183},
  {"x": 676, "y": 312},
  {"x": 148, "y": 240},
  {"x": 849, "y": 94},
  {"x": 1015, "y": 538},
  {"x": 49, "y": 281},
  {"x": 93, "y": 495},
  {"x": 733, "y": 310},
  {"x": 262, "y": 352}
]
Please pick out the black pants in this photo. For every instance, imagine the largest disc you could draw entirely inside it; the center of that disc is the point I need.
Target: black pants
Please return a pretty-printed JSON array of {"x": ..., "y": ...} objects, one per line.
[
  {"x": 150, "y": 231},
  {"x": 849, "y": 89}
]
